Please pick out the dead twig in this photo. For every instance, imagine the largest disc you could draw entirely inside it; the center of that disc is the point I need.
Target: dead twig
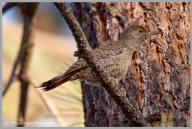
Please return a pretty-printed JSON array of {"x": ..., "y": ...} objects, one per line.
[
  {"x": 85, "y": 52},
  {"x": 8, "y": 6},
  {"x": 82, "y": 43},
  {"x": 17, "y": 61},
  {"x": 28, "y": 11}
]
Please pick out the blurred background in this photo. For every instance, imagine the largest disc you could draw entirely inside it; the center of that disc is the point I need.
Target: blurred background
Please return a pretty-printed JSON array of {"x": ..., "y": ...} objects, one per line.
[{"x": 52, "y": 55}]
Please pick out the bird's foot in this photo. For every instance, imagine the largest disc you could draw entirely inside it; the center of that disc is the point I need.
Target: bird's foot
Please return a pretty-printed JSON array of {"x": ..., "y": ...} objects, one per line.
[{"x": 77, "y": 53}]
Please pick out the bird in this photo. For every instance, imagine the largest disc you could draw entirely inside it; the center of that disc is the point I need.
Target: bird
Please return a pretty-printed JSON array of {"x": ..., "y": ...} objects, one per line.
[{"x": 115, "y": 57}]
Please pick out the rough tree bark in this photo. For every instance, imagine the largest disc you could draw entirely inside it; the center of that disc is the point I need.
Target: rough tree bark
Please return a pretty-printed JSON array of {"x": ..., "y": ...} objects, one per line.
[
  {"x": 158, "y": 79},
  {"x": 85, "y": 51}
]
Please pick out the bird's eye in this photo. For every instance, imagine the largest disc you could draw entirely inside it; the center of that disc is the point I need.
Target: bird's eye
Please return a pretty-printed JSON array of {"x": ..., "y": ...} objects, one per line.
[{"x": 140, "y": 31}]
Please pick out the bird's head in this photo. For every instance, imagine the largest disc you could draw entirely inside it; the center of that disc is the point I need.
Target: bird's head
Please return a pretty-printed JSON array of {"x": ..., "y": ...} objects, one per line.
[{"x": 136, "y": 34}]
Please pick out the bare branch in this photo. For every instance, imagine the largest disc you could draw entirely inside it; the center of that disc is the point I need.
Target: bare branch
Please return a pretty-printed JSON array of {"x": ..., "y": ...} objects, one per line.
[
  {"x": 28, "y": 10},
  {"x": 82, "y": 43},
  {"x": 7, "y": 86},
  {"x": 19, "y": 55},
  {"x": 109, "y": 83},
  {"x": 17, "y": 61},
  {"x": 8, "y": 6}
]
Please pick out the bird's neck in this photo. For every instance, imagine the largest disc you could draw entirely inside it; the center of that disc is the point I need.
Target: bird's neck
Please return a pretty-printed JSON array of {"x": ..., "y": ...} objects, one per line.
[{"x": 130, "y": 43}]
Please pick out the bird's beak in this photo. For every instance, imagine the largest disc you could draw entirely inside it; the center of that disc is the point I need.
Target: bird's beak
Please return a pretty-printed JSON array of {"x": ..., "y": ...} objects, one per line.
[{"x": 151, "y": 33}]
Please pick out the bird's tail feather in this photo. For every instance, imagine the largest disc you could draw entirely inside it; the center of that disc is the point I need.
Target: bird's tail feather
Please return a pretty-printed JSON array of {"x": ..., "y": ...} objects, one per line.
[{"x": 55, "y": 82}]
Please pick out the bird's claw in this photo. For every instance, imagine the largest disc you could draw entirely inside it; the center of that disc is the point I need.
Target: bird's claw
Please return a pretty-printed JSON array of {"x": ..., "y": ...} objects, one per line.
[{"x": 76, "y": 53}]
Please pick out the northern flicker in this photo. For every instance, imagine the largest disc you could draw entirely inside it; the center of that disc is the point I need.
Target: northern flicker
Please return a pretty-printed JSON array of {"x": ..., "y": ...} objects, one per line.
[{"x": 115, "y": 57}]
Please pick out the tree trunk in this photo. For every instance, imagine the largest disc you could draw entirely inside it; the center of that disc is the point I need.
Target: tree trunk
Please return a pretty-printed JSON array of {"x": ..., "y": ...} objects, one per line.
[{"x": 157, "y": 83}]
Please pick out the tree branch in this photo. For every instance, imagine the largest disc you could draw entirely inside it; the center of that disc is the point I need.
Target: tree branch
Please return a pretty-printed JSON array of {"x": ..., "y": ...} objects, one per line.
[
  {"x": 82, "y": 43},
  {"x": 28, "y": 11},
  {"x": 110, "y": 84},
  {"x": 8, "y": 6},
  {"x": 17, "y": 61}
]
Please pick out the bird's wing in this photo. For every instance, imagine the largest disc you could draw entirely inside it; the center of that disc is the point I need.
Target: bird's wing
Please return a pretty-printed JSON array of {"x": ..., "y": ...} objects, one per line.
[
  {"x": 76, "y": 67},
  {"x": 108, "y": 50}
]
